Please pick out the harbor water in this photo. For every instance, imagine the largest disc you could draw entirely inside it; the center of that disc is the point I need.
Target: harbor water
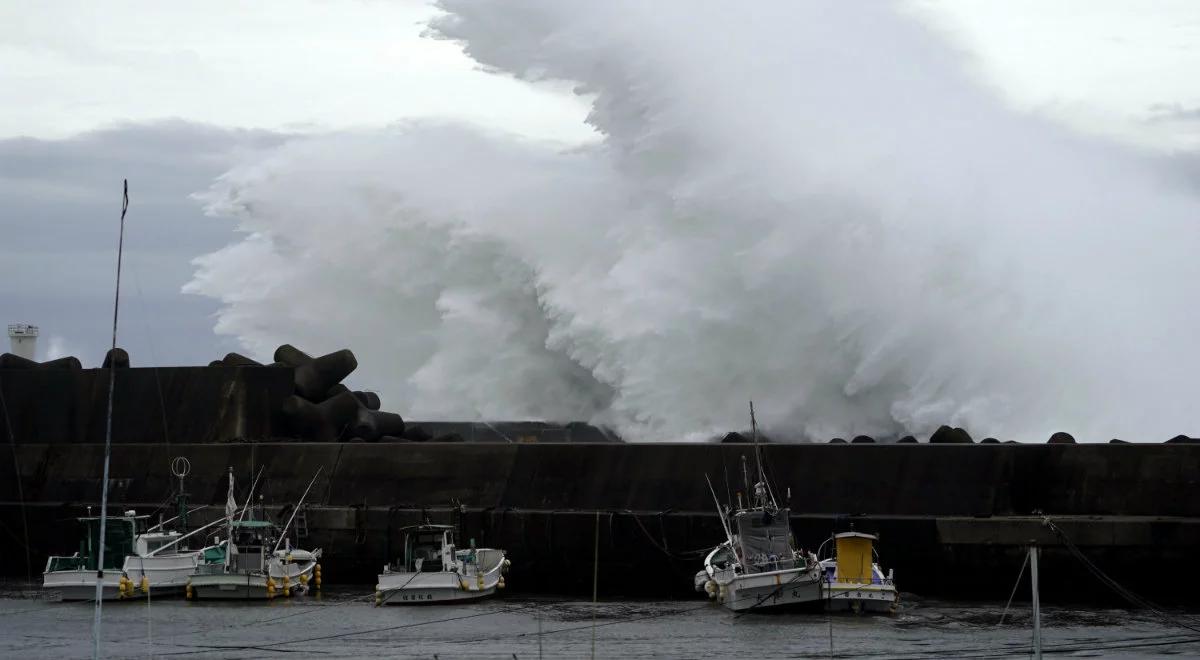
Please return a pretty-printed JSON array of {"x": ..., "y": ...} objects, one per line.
[{"x": 344, "y": 623}]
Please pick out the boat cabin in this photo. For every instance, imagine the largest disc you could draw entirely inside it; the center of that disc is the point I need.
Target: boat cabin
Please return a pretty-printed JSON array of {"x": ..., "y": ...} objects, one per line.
[
  {"x": 146, "y": 543},
  {"x": 120, "y": 533},
  {"x": 854, "y": 555},
  {"x": 764, "y": 540},
  {"x": 253, "y": 543},
  {"x": 427, "y": 548}
]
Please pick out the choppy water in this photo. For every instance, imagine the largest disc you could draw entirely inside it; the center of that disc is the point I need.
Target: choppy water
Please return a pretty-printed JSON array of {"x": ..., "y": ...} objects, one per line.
[{"x": 343, "y": 623}]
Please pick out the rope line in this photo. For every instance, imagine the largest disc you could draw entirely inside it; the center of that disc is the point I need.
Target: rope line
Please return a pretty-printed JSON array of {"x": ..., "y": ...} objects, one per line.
[
  {"x": 1014, "y": 590},
  {"x": 1114, "y": 585}
]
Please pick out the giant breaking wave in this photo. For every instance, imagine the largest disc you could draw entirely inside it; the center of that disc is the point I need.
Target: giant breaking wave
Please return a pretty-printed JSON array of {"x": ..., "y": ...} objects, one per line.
[{"x": 809, "y": 205}]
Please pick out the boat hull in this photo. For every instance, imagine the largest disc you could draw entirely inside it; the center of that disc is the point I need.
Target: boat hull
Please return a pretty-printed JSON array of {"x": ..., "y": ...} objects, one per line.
[
  {"x": 80, "y": 585},
  {"x": 164, "y": 573},
  {"x": 239, "y": 586},
  {"x": 403, "y": 588},
  {"x": 857, "y": 598},
  {"x": 791, "y": 588}
]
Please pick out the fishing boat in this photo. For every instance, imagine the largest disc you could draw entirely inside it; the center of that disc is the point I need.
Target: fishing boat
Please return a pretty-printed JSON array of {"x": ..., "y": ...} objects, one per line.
[
  {"x": 151, "y": 560},
  {"x": 159, "y": 565},
  {"x": 249, "y": 564},
  {"x": 434, "y": 570},
  {"x": 759, "y": 567},
  {"x": 74, "y": 577},
  {"x": 853, "y": 580}
]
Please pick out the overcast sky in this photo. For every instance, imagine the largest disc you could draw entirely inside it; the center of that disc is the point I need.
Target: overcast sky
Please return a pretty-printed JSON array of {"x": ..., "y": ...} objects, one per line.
[{"x": 171, "y": 95}]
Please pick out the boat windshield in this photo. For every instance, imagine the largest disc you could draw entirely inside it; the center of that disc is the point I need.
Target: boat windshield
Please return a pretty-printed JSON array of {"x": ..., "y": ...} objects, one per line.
[
  {"x": 425, "y": 546},
  {"x": 253, "y": 533}
]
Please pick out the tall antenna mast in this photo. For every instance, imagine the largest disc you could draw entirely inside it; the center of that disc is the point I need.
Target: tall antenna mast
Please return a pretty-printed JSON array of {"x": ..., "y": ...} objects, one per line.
[
  {"x": 757, "y": 455},
  {"x": 180, "y": 467},
  {"x": 112, "y": 379},
  {"x": 768, "y": 495}
]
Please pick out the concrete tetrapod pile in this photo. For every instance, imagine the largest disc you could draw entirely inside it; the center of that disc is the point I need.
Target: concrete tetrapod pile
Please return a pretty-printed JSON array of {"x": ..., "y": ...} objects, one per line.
[{"x": 322, "y": 409}]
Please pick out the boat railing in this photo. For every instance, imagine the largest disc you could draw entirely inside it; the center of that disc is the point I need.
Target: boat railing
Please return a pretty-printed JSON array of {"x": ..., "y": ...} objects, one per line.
[
  {"x": 72, "y": 563},
  {"x": 777, "y": 564},
  {"x": 831, "y": 579},
  {"x": 487, "y": 559}
]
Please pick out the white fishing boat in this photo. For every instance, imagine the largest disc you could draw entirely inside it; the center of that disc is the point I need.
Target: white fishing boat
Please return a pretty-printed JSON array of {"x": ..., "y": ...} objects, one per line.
[
  {"x": 249, "y": 564},
  {"x": 853, "y": 580},
  {"x": 249, "y": 569},
  {"x": 162, "y": 561},
  {"x": 74, "y": 577},
  {"x": 142, "y": 560},
  {"x": 135, "y": 560},
  {"x": 434, "y": 570},
  {"x": 758, "y": 566}
]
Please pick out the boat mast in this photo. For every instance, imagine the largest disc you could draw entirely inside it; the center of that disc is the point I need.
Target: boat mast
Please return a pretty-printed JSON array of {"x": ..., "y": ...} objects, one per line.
[
  {"x": 296, "y": 509},
  {"x": 1037, "y": 605},
  {"x": 767, "y": 494},
  {"x": 180, "y": 467},
  {"x": 754, "y": 437},
  {"x": 230, "y": 509},
  {"x": 720, "y": 514},
  {"x": 112, "y": 378}
]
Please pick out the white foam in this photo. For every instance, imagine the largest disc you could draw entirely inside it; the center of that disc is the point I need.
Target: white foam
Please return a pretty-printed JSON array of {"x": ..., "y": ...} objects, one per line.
[{"x": 805, "y": 204}]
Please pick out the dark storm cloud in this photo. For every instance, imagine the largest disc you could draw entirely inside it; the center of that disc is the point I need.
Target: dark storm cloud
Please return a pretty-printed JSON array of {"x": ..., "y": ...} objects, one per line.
[{"x": 59, "y": 210}]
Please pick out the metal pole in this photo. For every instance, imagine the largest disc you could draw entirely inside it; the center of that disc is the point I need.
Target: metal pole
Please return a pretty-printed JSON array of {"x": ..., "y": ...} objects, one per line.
[
  {"x": 1037, "y": 603},
  {"x": 112, "y": 379},
  {"x": 595, "y": 582}
]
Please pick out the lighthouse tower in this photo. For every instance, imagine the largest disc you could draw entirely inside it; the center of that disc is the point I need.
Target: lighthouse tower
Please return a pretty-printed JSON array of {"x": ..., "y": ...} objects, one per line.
[{"x": 23, "y": 338}]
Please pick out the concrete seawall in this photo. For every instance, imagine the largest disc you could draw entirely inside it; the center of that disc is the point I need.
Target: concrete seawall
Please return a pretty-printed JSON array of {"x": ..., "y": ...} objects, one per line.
[{"x": 953, "y": 517}]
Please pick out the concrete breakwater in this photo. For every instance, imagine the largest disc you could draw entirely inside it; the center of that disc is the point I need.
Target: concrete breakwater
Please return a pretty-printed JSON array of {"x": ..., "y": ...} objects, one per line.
[
  {"x": 231, "y": 400},
  {"x": 953, "y": 518},
  {"x": 954, "y": 515}
]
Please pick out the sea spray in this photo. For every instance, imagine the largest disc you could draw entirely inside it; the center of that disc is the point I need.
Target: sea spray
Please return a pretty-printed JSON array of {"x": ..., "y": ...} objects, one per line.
[{"x": 806, "y": 204}]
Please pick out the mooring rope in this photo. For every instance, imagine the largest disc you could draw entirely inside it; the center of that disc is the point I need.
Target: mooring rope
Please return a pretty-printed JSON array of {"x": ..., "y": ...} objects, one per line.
[
  {"x": 1014, "y": 589},
  {"x": 1114, "y": 585}
]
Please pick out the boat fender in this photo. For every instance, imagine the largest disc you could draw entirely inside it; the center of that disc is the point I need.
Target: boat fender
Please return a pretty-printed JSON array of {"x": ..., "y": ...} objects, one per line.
[
  {"x": 303, "y": 578},
  {"x": 479, "y": 581},
  {"x": 145, "y": 585},
  {"x": 378, "y": 598},
  {"x": 710, "y": 588},
  {"x": 188, "y": 591},
  {"x": 500, "y": 583},
  {"x": 287, "y": 586},
  {"x": 462, "y": 583}
]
